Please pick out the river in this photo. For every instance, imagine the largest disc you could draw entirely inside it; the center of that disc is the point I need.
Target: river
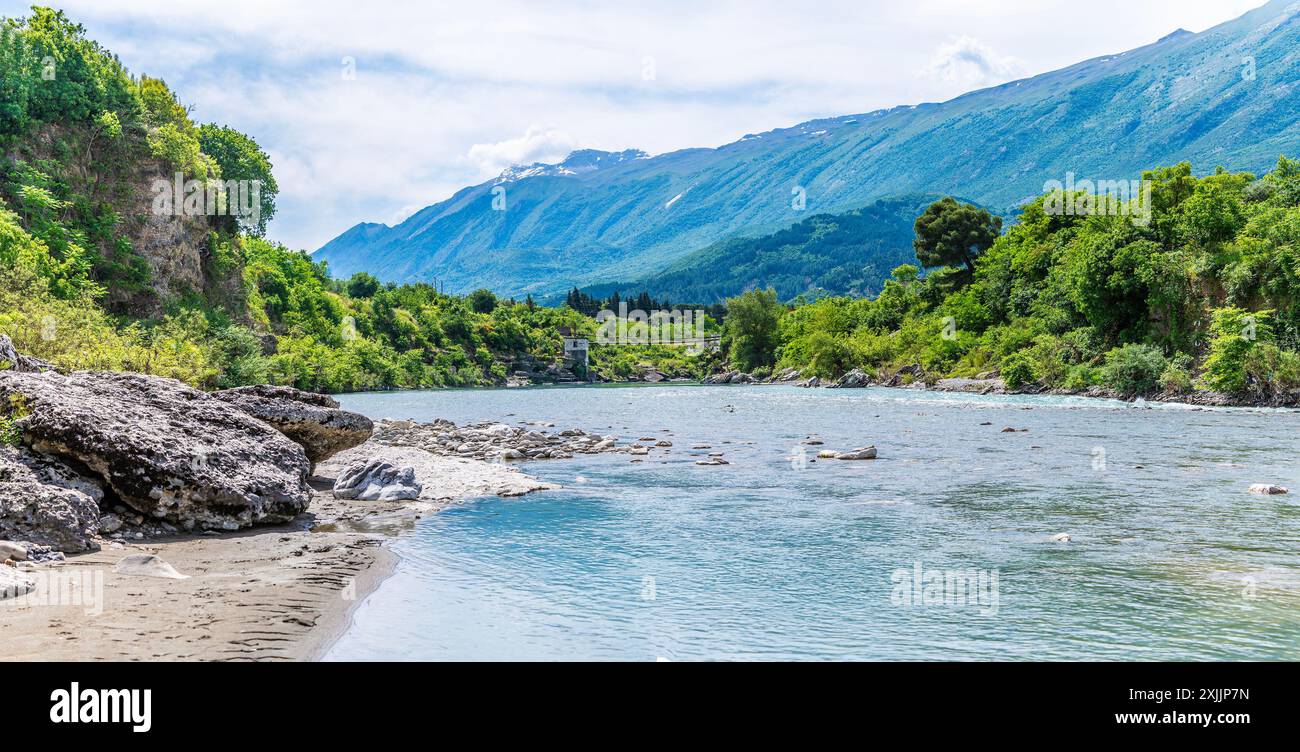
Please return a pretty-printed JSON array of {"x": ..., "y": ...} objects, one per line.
[{"x": 941, "y": 549}]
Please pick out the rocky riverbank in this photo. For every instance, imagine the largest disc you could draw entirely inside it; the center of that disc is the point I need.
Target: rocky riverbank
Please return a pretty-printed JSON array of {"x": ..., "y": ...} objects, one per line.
[
  {"x": 141, "y": 519},
  {"x": 915, "y": 377}
]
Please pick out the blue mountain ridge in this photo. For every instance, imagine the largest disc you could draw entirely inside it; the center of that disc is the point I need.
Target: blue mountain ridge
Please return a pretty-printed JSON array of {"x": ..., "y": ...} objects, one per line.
[{"x": 606, "y": 216}]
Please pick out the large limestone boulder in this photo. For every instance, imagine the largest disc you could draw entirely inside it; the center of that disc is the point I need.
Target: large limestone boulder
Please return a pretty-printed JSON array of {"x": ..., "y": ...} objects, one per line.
[
  {"x": 313, "y": 420},
  {"x": 45, "y": 502},
  {"x": 167, "y": 450}
]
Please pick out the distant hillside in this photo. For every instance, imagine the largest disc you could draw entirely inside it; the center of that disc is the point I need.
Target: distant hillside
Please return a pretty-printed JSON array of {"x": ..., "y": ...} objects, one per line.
[
  {"x": 597, "y": 216},
  {"x": 826, "y": 254}
]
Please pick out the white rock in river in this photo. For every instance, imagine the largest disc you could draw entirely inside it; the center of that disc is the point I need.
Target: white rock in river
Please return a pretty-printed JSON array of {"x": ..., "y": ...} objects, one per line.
[
  {"x": 861, "y": 453},
  {"x": 1061, "y": 538},
  {"x": 148, "y": 565},
  {"x": 1268, "y": 489},
  {"x": 377, "y": 480}
]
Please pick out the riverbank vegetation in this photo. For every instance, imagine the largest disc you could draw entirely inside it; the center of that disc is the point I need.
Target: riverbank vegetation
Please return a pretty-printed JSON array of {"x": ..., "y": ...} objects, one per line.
[{"x": 1204, "y": 296}]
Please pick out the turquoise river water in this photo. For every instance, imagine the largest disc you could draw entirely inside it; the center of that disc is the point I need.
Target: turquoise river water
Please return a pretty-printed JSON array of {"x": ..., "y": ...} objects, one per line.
[{"x": 941, "y": 549}]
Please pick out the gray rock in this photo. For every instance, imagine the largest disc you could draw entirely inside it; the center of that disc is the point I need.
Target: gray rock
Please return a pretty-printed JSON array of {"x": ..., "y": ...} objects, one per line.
[
  {"x": 109, "y": 524},
  {"x": 314, "y": 421},
  {"x": 168, "y": 451},
  {"x": 19, "y": 362},
  {"x": 377, "y": 480},
  {"x": 11, "y": 550},
  {"x": 14, "y": 583},
  {"x": 148, "y": 565},
  {"x": 855, "y": 379},
  {"x": 45, "y": 502}
]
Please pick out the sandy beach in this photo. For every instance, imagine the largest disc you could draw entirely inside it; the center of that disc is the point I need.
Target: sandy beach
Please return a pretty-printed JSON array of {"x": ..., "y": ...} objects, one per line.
[{"x": 273, "y": 593}]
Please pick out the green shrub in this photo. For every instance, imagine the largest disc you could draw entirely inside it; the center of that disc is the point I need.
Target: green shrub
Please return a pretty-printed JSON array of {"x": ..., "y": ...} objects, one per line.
[
  {"x": 1017, "y": 371},
  {"x": 1270, "y": 370},
  {"x": 1134, "y": 370},
  {"x": 1177, "y": 376},
  {"x": 1235, "y": 333},
  {"x": 1082, "y": 377},
  {"x": 9, "y": 431}
]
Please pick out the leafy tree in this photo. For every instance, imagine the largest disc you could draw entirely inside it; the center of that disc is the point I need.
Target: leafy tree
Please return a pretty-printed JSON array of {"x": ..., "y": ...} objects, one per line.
[
  {"x": 240, "y": 158},
  {"x": 362, "y": 285},
  {"x": 482, "y": 301},
  {"x": 950, "y": 233},
  {"x": 753, "y": 320}
]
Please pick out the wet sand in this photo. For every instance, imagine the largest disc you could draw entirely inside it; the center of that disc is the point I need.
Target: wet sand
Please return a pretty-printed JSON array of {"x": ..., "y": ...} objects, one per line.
[{"x": 279, "y": 593}]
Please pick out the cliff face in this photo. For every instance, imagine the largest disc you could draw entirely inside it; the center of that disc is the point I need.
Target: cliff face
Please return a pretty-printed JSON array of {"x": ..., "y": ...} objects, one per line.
[{"x": 147, "y": 259}]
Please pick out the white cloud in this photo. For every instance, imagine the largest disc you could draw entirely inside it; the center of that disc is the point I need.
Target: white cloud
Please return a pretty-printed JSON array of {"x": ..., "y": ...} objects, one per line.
[
  {"x": 538, "y": 144},
  {"x": 965, "y": 60}
]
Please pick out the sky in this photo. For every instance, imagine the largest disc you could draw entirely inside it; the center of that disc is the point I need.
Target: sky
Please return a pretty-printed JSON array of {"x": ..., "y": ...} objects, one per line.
[{"x": 372, "y": 111}]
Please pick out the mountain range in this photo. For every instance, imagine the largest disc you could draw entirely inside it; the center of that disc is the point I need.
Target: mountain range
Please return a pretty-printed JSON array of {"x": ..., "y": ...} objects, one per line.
[{"x": 1225, "y": 96}]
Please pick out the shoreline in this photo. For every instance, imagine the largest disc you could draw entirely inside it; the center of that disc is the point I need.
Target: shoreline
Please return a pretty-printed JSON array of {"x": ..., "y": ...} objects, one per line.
[
  {"x": 977, "y": 387},
  {"x": 271, "y": 593}
]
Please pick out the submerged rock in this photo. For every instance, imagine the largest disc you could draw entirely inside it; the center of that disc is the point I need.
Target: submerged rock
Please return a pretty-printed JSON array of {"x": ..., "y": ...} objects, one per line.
[
  {"x": 1061, "y": 538},
  {"x": 314, "y": 421},
  {"x": 45, "y": 502},
  {"x": 1269, "y": 489},
  {"x": 377, "y": 480},
  {"x": 166, "y": 450}
]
